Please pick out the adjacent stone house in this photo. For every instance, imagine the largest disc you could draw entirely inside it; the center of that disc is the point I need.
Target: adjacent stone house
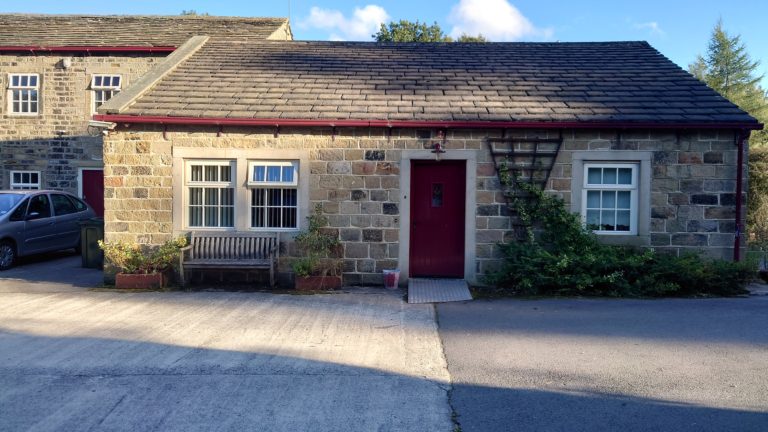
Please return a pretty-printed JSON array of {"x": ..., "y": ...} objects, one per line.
[
  {"x": 57, "y": 69},
  {"x": 400, "y": 145}
]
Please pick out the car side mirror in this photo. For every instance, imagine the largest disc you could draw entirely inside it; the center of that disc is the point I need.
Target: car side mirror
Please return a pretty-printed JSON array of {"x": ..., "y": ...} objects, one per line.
[{"x": 33, "y": 216}]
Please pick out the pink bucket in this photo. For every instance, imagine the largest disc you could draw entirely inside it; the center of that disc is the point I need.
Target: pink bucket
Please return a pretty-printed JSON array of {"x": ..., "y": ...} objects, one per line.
[{"x": 390, "y": 278}]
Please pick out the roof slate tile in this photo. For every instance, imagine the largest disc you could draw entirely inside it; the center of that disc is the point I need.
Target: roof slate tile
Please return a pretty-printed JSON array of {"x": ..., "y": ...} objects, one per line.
[
  {"x": 128, "y": 30},
  {"x": 582, "y": 82}
]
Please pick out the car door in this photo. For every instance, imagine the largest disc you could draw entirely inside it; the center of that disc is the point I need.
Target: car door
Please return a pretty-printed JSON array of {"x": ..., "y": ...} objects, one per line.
[
  {"x": 40, "y": 226},
  {"x": 67, "y": 219}
]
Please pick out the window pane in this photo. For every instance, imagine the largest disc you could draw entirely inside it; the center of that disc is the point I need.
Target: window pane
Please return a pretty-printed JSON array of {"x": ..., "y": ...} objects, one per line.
[
  {"x": 273, "y": 217},
  {"x": 33, "y": 81},
  {"x": 33, "y": 95},
  {"x": 97, "y": 81},
  {"x": 288, "y": 174},
  {"x": 622, "y": 220},
  {"x": 289, "y": 218},
  {"x": 62, "y": 205},
  {"x": 273, "y": 173},
  {"x": 195, "y": 196},
  {"x": 609, "y": 200},
  {"x": 290, "y": 197},
  {"x": 211, "y": 173},
  {"x": 15, "y": 81},
  {"x": 227, "y": 217},
  {"x": 607, "y": 222},
  {"x": 33, "y": 107},
  {"x": 197, "y": 173},
  {"x": 24, "y": 80},
  {"x": 116, "y": 81},
  {"x": 227, "y": 197},
  {"x": 258, "y": 197},
  {"x": 593, "y": 219},
  {"x": 593, "y": 199},
  {"x": 17, "y": 177},
  {"x": 609, "y": 176},
  {"x": 625, "y": 176},
  {"x": 211, "y": 216},
  {"x": 258, "y": 173},
  {"x": 273, "y": 197},
  {"x": 211, "y": 196},
  {"x": 623, "y": 200},
  {"x": 594, "y": 176},
  {"x": 226, "y": 173},
  {"x": 196, "y": 216}
]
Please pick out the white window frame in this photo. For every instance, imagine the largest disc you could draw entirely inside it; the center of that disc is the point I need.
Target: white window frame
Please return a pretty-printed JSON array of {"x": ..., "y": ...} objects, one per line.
[
  {"x": 633, "y": 188},
  {"x": 22, "y": 89},
  {"x": 22, "y": 185},
  {"x": 220, "y": 185},
  {"x": 256, "y": 184},
  {"x": 102, "y": 89}
]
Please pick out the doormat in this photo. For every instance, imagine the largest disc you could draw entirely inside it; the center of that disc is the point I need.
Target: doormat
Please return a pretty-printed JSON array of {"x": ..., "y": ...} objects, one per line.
[{"x": 437, "y": 290}]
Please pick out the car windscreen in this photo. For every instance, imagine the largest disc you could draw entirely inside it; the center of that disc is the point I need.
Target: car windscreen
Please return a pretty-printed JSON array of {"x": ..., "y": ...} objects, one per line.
[{"x": 8, "y": 201}]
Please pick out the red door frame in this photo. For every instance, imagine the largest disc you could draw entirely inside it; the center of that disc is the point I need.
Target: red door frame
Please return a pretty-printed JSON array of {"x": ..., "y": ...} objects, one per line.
[{"x": 437, "y": 213}]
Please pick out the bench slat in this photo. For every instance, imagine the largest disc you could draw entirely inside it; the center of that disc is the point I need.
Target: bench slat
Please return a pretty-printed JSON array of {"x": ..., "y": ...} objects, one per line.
[{"x": 231, "y": 250}]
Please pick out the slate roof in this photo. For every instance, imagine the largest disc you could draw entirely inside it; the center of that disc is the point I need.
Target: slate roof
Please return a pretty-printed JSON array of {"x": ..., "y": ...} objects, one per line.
[
  {"x": 125, "y": 30},
  {"x": 537, "y": 82}
]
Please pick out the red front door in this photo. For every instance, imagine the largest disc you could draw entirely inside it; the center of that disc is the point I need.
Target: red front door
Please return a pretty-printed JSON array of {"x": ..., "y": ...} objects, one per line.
[
  {"x": 438, "y": 193},
  {"x": 93, "y": 189}
]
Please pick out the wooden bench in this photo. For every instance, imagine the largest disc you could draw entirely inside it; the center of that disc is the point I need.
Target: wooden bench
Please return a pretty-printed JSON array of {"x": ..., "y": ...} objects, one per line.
[{"x": 216, "y": 250}]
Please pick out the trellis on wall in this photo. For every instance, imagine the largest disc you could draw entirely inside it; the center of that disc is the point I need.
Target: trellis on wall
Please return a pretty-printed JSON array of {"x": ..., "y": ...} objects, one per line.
[{"x": 529, "y": 160}]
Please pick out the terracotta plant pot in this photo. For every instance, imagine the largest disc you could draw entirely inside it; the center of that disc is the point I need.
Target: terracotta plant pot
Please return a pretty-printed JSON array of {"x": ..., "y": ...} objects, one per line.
[
  {"x": 139, "y": 281},
  {"x": 316, "y": 283}
]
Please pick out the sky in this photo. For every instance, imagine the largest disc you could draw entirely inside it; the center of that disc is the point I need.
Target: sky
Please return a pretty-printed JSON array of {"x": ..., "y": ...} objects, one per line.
[{"x": 679, "y": 29}]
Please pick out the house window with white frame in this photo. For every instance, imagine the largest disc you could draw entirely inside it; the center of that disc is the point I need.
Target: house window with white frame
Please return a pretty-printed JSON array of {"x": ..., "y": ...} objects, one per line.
[
  {"x": 104, "y": 87},
  {"x": 274, "y": 194},
  {"x": 23, "y": 93},
  {"x": 25, "y": 180},
  {"x": 210, "y": 189},
  {"x": 609, "y": 198}
]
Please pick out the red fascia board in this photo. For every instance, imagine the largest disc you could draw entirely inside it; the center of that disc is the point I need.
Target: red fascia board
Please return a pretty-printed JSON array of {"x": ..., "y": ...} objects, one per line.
[
  {"x": 87, "y": 49},
  {"x": 448, "y": 124}
]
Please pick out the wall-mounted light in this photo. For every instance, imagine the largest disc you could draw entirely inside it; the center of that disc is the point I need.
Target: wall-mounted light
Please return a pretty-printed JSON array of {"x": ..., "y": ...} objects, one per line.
[
  {"x": 66, "y": 62},
  {"x": 438, "y": 147}
]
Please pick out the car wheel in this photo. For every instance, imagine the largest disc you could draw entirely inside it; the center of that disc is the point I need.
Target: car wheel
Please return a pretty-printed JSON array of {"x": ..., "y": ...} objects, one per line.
[{"x": 7, "y": 255}]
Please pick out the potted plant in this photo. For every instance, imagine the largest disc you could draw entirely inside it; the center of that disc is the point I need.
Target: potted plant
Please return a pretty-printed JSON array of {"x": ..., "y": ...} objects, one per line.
[
  {"x": 142, "y": 267},
  {"x": 319, "y": 267}
]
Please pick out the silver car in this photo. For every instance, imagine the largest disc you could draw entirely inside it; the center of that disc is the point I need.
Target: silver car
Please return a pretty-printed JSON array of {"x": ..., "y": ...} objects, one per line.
[{"x": 36, "y": 221}]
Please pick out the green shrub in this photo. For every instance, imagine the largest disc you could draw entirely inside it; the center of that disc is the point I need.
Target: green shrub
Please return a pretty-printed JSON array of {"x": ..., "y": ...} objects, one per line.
[
  {"x": 132, "y": 258},
  {"x": 559, "y": 256}
]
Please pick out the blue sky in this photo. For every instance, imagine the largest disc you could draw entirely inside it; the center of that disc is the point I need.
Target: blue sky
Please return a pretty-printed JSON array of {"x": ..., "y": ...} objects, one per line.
[{"x": 679, "y": 29}]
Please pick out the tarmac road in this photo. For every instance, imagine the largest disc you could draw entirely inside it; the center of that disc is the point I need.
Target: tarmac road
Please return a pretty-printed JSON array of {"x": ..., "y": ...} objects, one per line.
[{"x": 608, "y": 365}]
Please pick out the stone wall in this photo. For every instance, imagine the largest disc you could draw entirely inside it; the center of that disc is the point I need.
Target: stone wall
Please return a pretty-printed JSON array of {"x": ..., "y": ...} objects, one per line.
[
  {"x": 692, "y": 201},
  {"x": 355, "y": 175},
  {"x": 56, "y": 141}
]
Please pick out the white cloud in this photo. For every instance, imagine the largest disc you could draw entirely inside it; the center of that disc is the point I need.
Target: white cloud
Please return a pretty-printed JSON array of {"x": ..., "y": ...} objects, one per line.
[
  {"x": 360, "y": 26},
  {"x": 497, "y": 20},
  {"x": 652, "y": 26}
]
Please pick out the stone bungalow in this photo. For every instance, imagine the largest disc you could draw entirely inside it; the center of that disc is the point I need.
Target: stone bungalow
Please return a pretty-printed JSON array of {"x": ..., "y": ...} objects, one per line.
[
  {"x": 57, "y": 69},
  {"x": 400, "y": 144}
]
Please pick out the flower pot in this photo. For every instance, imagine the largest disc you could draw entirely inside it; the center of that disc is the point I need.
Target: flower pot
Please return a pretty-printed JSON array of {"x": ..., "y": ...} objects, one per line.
[
  {"x": 139, "y": 281},
  {"x": 315, "y": 283}
]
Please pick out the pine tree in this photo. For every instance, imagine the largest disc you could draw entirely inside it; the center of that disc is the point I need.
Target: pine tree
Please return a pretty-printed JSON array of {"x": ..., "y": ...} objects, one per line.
[{"x": 728, "y": 69}]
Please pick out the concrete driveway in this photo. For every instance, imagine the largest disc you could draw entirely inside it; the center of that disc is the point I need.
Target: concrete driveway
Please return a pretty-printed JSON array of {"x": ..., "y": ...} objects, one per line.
[
  {"x": 81, "y": 360},
  {"x": 50, "y": 272},
  {"x": 608, "y": 365}
]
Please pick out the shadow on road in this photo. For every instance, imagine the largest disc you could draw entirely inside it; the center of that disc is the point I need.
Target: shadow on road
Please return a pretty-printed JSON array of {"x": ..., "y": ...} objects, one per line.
[{"x": 114, "y": 384}]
